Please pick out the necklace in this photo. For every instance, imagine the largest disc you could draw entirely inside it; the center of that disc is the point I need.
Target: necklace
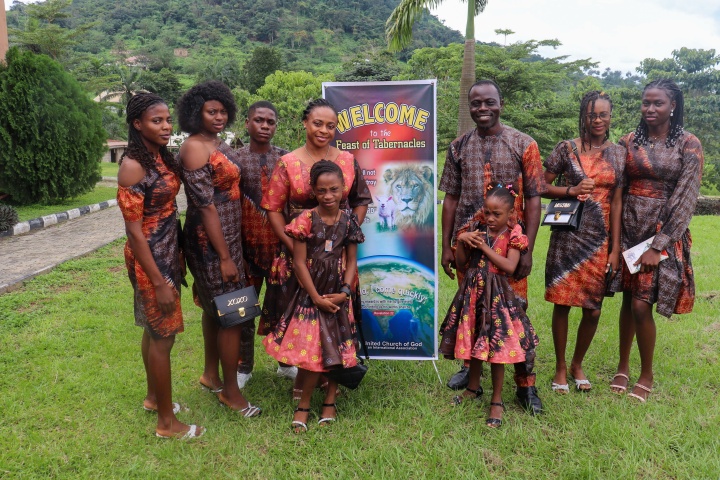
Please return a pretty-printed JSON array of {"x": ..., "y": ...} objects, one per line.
[
  {"x": 598, "y": 147},
  {"x": 487, "y": 237},
  {"x": 656, "y": 139},
  {"x": 313, "y": 158},
  {"x": 214, "y": 138},
  {"x": 328, "y": 242}
]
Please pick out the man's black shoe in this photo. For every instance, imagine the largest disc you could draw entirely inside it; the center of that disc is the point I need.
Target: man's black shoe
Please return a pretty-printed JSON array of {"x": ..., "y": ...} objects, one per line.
[
  {"x": 528, "y": 399},
  {"x": 460, "y": 380}
]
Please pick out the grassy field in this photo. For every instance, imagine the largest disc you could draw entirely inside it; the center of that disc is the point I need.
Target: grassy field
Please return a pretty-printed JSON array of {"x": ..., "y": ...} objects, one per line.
[
  {"x": 108, "y": 169},
  {"x": 72, "y": 386}
]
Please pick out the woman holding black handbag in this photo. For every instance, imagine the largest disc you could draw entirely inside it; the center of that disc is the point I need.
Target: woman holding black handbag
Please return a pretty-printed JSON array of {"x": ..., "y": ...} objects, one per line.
[
  {"x": 581, "y": 261},
  {"x": 211, "y": 174}
]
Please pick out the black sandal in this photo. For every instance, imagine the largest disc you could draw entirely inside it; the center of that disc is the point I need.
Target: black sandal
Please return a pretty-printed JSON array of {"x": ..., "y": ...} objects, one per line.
[
  {"x": 458, "y": 399},
  {"x": 495, "y": 422},
  {"x": 326, "y": 420},
  {"x": 297, "y": 426}
]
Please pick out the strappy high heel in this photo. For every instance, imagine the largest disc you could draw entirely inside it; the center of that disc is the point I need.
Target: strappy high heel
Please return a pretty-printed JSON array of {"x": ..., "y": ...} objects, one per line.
[
  {"x": 495, "y": 422},
  {"x": 458, "y": 399},
  {"x": 326, "y": 420},
  {"x": 296, "y": 425}
]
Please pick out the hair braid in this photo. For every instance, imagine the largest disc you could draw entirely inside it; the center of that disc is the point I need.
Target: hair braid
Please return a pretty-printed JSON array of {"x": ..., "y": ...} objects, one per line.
[
  {"x": 676, "y": 117},
  {"x": 502, "y": 191},
  {"x": 136, "y": 148},
  {"x": 317, "y": 103},
  {"x": 587, "y": 105},
  {"x": 322, "y": 167}
]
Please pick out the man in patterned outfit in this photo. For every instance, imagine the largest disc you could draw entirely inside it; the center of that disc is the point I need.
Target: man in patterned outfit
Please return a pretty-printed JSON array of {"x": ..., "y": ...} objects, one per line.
[
  {"x": 260, "y": 243},
  {"x": 493, "y": 151}
]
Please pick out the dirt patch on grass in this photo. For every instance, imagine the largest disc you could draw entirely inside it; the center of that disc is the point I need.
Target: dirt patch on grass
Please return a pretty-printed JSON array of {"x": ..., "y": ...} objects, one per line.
[{"x": 709, "y": 296}]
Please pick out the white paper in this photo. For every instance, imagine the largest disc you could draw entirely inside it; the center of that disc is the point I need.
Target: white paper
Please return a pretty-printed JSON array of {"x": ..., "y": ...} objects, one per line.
[{"x": 631, "y": 255}]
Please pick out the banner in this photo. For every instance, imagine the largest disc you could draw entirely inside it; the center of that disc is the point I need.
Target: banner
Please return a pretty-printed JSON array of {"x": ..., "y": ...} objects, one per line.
[{"x": 390, "y": 128}]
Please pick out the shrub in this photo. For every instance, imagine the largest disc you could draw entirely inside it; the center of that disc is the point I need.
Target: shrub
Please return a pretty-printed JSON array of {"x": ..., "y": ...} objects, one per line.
[
  {"x": 51, "y": 135},
  {"x": 8, "y": 217}
]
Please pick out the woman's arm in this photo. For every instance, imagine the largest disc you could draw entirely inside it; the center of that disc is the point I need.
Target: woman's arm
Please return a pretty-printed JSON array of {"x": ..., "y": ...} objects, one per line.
[
  {"x": 585, "y": 187},
  {"x": 303, "y": 275},
  {"x": 277, "y": 223},
  {"x": 615, "y": 226}
]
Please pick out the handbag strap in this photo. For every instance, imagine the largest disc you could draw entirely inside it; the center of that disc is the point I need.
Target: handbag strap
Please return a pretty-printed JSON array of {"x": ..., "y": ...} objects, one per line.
[{"x": 577, "y": 155}]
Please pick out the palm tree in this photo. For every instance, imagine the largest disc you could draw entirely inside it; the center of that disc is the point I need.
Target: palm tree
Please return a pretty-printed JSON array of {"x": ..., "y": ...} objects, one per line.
[{"x": 398, "y": 30}]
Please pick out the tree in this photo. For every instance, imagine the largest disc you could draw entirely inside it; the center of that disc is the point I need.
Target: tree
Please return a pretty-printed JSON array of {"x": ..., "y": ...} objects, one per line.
[
  {"x": 263, "y": 62},
  {"x": 165, "y": 83},
  {"x": 42, "y": 33},
  {"x": 399, "y": 34},
  {"x": 505, "y": 32},
  {"x": 51, "y": 136},
  {"x": 223, "y": 69},
  {"x": 370, "y": 68}
]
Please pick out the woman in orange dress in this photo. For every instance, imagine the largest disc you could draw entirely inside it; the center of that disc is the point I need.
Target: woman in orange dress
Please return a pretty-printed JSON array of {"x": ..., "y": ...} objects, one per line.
[
  {"x": 148, "y": 181},
  {"x": 290, "y": 191},
  {"x": 579, "y": 260}
]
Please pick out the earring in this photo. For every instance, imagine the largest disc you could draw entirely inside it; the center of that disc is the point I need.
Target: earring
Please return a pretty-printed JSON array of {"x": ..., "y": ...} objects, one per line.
[{"x": 671, "y": 112}]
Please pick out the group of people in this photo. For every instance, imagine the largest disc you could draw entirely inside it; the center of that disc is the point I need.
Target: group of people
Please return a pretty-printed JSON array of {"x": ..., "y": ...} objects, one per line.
[
  {"x": 292, "y": 221},
  {"x": 643, "y": 189}
]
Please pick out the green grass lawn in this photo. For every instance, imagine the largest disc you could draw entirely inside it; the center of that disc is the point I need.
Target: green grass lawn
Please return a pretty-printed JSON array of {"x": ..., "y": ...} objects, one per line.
[
  {"x": 72, "y": 386},
  {"x": 97, "y": 195},
  {"x": 108, "y": 169}
]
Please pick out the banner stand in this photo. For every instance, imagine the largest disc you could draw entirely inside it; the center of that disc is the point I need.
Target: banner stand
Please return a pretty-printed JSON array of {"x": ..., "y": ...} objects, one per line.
[{"x": 437, "y": 371}]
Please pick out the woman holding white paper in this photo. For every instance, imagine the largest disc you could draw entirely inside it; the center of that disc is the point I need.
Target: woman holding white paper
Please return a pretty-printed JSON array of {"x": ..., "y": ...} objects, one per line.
[{"x": 663, "y": 170}]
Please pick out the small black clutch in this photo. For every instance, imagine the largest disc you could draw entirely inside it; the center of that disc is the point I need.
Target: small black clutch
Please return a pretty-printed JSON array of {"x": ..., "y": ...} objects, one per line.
[
  {"x": 237, "y": 307},
  {"x": 348, "y": 377}
]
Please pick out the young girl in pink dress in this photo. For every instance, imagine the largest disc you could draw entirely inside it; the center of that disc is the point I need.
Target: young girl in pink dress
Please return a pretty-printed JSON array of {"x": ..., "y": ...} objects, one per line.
[
  {"x": 317, "y": 331},
  {"x": 485, "y": 322}
]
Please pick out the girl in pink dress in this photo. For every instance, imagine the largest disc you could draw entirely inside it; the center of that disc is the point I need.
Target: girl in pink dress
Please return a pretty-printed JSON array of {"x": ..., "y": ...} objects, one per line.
[{"x": 486, "y": 322}]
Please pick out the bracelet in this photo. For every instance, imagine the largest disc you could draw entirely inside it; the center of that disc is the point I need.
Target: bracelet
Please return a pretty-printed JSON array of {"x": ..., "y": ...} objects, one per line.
[
  {"x": 346, "y": 290},
  {"x": 567, "y": 192}
]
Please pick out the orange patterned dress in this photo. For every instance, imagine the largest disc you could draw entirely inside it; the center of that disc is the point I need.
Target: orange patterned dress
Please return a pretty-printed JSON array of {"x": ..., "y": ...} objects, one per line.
[
  {"x": 576, "y": 260},
  {"x": 486, "y": 320},
  {"x": 152, "y": 202},
  {"x": 307, "y": 336},
  {"x": 215, "y": 183},
  {"x": 290, "y": 193}
]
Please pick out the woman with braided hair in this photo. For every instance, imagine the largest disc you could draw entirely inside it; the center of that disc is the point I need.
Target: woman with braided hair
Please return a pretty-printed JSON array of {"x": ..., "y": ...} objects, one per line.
[
  {"x": 148, "y": 181},
  {"x": 662, "y": 174},
  {"x": 579, "y": 261}
]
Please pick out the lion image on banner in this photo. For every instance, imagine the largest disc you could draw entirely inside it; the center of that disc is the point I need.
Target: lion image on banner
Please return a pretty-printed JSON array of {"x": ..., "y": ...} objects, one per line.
[{"x": 412, "y": 190}]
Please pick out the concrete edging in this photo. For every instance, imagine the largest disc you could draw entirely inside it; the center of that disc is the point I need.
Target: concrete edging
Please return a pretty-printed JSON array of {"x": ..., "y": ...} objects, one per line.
[{"x": 55, "y": 218}]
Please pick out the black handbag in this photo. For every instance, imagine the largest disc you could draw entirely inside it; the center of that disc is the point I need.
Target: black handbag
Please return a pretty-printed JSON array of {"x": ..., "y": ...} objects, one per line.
[
  {"x": 237, "y": 307},
  {"x": 351, "y": 377},
  {"x": 565, "y": 214}
]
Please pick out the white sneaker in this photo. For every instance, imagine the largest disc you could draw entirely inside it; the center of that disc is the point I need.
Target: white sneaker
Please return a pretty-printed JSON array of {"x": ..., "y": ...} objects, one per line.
[
  {"x": 287, "y": 372},
  {"x": 243, "y": 378}
]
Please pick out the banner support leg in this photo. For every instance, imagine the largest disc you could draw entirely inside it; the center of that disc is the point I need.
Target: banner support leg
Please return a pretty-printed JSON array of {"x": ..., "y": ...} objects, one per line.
[{"x": 437, "y": 371}]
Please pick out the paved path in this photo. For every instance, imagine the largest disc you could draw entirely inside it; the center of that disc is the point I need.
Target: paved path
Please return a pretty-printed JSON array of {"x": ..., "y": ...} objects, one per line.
[{"x": 25, "y": 256}]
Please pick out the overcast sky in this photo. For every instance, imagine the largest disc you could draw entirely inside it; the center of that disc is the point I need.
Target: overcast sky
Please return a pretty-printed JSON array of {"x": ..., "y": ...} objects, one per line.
[{"x": 616, "y": 33}]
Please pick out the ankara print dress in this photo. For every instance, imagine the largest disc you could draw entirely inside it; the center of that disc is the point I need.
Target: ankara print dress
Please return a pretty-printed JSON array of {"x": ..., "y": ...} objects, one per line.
[
  {"x": 662, "y": 187},
  {"x": 215, "y": 183},
  {"x": 576, "y": 260},
  {"x": 306, "y": 336},
  {"x": 290, "y": 193},
  {"x": 486, "y": 320},
  {"x": 152, "y": 202}
]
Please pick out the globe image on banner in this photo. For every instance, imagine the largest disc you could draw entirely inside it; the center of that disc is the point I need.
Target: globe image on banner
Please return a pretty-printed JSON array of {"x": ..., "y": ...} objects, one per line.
[{"x": 398, "y": 301}]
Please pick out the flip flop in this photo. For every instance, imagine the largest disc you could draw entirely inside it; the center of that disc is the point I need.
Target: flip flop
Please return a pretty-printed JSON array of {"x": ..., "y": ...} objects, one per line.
[
  {"x": 578, "y": 383},
  {"x": 561, "y": 388},
  {"x": 210, "y": 388},
  {"x": 622, "y": 388},
  {"x": 194, "y": 432},
  {"x": 176, "y": 408}
]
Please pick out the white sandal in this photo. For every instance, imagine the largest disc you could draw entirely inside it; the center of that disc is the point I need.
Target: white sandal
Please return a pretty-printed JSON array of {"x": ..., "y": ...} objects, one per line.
[
  {"x": 582, "y": 382},
  {"x": 622, "y": 388},
  {"x": 641, "y": 387},
  {"x": 194, "y": 432},
  {"x": 561, "y": 388},
  {"x": 176, "y": 408}
]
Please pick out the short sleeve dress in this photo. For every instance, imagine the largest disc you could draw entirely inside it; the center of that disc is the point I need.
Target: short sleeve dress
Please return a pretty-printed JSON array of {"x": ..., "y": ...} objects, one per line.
[
  {"x": 215, "y": 183},
  {"x": 576, "y": 260},
  {"x": 486, "y": 320},
  {"x": 289, "y": 192},
  {"x": 152, "y": 202},
  {"x": 662, "y": 187},
  {"x": 306, "y": 336}
]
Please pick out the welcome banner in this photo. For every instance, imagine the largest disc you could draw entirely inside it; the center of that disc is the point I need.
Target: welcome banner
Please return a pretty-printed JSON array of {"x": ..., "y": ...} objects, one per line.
[{"x": 390, "y": 128}]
